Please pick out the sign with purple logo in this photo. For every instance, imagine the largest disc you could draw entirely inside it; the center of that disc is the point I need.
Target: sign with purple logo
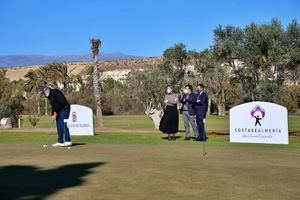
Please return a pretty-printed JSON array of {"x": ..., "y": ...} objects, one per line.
[{"x": 259, "y": 122}]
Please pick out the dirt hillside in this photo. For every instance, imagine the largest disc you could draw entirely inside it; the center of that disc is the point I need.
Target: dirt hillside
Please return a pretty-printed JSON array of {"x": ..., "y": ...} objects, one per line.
[{"x": 110, "y": 68}]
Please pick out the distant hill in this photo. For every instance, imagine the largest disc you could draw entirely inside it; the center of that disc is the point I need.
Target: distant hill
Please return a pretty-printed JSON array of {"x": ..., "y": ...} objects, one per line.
[
  {"x": 25, "y": 60},
  {"x": 112, "y": 68}
]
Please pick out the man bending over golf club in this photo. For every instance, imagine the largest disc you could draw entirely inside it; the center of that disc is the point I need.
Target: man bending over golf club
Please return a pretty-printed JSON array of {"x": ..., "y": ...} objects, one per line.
[{"x": 60, "y": 112}]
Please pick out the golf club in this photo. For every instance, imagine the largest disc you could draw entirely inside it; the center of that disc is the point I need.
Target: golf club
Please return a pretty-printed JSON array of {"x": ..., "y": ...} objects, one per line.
[
  {"x": 65, "y": 124},
  {"x": 204, "y": 140},
  {"x": 52, "y": 126}
]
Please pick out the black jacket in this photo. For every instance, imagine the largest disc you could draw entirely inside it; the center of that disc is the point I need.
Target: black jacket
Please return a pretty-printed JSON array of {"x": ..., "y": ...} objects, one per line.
[
  {"x": 200, "y": 103},
  {"x": 58, "y": 101}
]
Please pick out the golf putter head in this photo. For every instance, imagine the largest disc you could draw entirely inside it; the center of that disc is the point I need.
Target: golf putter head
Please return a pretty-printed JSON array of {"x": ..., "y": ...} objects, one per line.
[{"x": 204, "y": 153}]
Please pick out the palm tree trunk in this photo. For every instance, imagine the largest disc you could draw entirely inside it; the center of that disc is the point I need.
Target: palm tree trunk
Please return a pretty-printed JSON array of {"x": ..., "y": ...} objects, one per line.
[
  {"x": 97, "y": 94},
  {"x": 46, "y": 106},
  {"x": 96, "y": 43},
  {"x": 38, "y": 105}
]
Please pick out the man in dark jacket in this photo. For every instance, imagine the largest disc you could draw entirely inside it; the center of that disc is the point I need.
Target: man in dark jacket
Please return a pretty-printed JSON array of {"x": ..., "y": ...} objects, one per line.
[
  {"x": 200, "y": 103},
  {"x": 188, "y": 112},
  {"x": 60, "y": 112}
]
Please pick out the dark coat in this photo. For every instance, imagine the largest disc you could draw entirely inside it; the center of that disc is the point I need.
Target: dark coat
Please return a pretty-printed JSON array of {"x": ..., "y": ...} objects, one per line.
[
  {"x": 200, "y": 103},
  {"x": 58, "y": 101}
]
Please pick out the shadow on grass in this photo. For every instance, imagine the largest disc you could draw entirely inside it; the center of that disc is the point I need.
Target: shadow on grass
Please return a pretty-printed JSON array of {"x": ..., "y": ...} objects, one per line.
[
  {"x": 166, "y": 137},
  {"x": 29, "y": 182},
  {"x": 294, "y": 133},
  {"x": 78, "y": 144}
]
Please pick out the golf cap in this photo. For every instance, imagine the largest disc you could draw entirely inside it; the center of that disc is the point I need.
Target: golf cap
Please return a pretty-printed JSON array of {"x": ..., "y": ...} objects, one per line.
[{"x": 42, "y": 89}]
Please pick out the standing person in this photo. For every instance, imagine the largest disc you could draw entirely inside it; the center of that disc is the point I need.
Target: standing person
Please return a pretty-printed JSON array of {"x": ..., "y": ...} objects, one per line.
[
  {"x": 200, "y": 103},
  {"x": 60, "y": 112},
  {"x": 188, "y": 112},
  {"x": 169, "y": 121}
]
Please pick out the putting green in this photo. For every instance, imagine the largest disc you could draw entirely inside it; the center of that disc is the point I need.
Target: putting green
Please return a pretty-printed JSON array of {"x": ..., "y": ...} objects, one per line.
[
  {"x": 148, "y": 171},
  {"x": 129, "y": 160}
]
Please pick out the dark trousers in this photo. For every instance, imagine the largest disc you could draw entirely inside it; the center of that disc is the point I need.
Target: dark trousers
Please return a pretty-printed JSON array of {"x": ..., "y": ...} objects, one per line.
[
  {"x": 62, "y": 128},
  {"x": 200, "y": 125}
]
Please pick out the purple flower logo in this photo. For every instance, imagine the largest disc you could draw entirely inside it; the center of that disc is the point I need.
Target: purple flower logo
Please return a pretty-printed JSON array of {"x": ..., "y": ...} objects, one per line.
[{"x": 258, "y": 113}]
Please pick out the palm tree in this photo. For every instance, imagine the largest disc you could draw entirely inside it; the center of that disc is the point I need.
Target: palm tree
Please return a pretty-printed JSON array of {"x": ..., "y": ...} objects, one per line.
[
  {"x": 96, "y": 43},
  {"x": 32, "y": 81},
  {"x": 59, "y": 74},
  {"x": 55, "y": 74},
  {"x": 31, "y": 86},
  {"x": 44, "y": 74},
  {"x": 79, "y": 82}
]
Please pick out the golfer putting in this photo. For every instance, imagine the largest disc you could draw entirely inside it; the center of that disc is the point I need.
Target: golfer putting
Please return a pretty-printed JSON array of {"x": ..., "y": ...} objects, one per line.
[{"x": 60, "y": 113}]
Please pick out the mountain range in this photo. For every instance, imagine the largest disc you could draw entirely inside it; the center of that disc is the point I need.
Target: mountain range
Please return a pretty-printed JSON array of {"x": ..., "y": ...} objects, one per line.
[{"x": 36, "y": 59}]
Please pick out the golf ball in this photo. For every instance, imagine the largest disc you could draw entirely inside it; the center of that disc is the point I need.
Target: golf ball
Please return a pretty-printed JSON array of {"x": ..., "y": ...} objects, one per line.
[
  {"x": 44, "y": 145},
  {"x": 69, "y": 147}
]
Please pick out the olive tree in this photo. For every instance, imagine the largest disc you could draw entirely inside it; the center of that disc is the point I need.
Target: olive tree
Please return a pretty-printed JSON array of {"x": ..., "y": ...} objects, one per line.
[{"x": 148, "y": 86}]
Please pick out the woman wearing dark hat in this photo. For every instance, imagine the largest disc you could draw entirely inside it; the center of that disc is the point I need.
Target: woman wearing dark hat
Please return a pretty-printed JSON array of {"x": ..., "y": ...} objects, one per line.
[{"x": 169, "y": 121}]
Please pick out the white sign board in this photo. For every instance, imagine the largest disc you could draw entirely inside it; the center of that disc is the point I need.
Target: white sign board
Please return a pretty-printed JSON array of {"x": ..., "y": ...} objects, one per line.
[
  {"x": 3, "y": 121},
  {"x": 81, "y": 120},
  {"x": 259, "y": 122}
]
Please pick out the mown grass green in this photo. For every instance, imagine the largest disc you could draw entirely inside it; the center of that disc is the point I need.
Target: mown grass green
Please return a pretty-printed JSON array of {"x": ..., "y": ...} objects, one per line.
[
  {"x": 138, "y": 129},
  {"x": 136, "y": 162},
  {"x": 214, "y": 123}
]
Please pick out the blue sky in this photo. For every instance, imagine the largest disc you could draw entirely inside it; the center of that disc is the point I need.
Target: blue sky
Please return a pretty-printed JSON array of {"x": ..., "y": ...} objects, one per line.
[{"x": 135, "y": 27}]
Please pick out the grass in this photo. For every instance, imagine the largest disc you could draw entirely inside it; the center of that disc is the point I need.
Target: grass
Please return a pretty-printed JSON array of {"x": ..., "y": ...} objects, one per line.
[
  {"x": 137, "y": 129},
  {"x": 152, "y": 171},
  {"x": 132, "y": 138},
  {"x": 214, "y": 124},
  {"x": 130, "y": 160}
]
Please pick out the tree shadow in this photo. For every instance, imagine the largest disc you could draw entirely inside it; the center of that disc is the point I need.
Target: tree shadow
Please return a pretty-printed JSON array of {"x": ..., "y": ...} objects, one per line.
[{"x": 29, "y": 182}]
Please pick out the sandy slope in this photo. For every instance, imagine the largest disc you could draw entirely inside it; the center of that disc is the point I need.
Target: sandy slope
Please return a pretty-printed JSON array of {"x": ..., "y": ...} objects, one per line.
[{"x": 114, "y": 69}]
